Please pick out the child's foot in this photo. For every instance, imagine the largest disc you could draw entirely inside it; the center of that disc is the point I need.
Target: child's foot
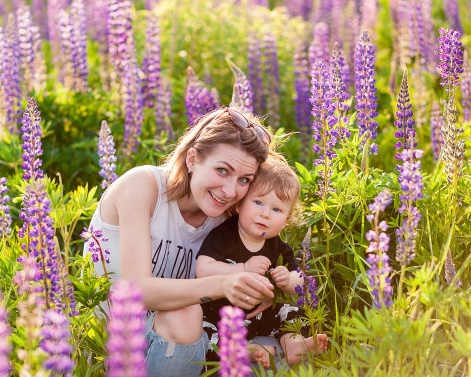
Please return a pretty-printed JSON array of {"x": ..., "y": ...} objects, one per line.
[
  {"x": 297, "y": 347},
  {"x": 259, "y": 354}
]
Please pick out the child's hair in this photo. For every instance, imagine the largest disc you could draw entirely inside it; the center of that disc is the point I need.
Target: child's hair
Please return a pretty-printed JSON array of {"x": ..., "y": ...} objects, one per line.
[{"x": 275, "y": 174}]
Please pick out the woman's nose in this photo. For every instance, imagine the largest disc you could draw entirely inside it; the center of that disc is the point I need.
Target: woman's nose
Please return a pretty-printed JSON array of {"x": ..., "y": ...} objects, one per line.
[{"x": 229, "y": 190}]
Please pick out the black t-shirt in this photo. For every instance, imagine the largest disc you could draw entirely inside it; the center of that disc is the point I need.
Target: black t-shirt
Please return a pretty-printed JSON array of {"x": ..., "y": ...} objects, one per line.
[{"x": 223, "y": 244}]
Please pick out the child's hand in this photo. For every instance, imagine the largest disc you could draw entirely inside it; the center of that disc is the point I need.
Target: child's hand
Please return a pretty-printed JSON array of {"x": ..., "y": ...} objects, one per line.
[
  {"x": 258, "y": 264},
  {"x": 281, "y": 277}
]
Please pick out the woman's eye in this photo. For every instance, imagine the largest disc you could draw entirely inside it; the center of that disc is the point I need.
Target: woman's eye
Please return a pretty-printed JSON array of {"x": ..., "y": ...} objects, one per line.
[
  {"x": 244, "y": 180},
  {"x": 222, "y": 171}
]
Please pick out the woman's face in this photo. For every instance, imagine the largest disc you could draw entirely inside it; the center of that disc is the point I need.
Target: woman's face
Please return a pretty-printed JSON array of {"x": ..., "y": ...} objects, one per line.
[{"x": 222, "y": 179}]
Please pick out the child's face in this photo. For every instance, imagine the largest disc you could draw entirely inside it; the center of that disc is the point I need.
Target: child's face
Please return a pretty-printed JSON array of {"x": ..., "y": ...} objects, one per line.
[{"x": 263, "y": 216}]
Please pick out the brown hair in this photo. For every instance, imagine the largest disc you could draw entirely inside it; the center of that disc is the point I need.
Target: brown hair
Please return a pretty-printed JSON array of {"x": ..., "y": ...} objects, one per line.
[{"x": 209, "y": 133}]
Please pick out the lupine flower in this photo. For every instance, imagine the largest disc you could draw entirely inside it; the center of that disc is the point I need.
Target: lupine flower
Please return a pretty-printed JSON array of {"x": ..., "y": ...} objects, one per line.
[
  {"x": 378, "y": 259},
  {"x": 198, "y": 99},
  {"x": 436, "y": 121},
  {"x": 324, "y": 131},
  {"x": 369, "y": 11},
  {"x": 24, "y": 24},
  {"x": 255, "y": 74},
  {"x": 79, "y": 42},
  {"x": 307, "y": 292},
  {"x": 107, "y": 160},
  {"x": 299, "y": 8},
  {"x": 270, "y": 63},
  {"x": 55, "y": 334},
  {"x": 302, "y": 105},
  {"x": 151, "y": 63},
  {"x": 54, "y": 8},
  {"x": 340, "y": 96},
  {"x": 337, "y": 58},
  {"x": 429, "y": 31},
  {"x": 233, "y": 347},
  {"x": 450, "y": 55},
  {"x": 39, "y": 62},
  {"x": 126, "y": 341},
  {"x": 242, "y": 96},
  {"x": 319, "y": 48},
  {"x": 452, "y": 14},
  {"x": 134, "y": 110},
  {"x": 450, "y": 271},
  {"x": 365, "y": 90},
  {"x": 466, "y": 88},
  {"x": 5, "y": 347},
  {"x": 66, "y": 45},
  {"x": 31, "y": 135},
  {"x": 5, "y": 217},
  {"x": 323, "y": 12},
  {"x": 410, "y": 180},
  {"x": 163, "y": 109},
  {"x": 405, "y": 124},
  {"x": 94, "y": 239},
  {"x": 418, "y": 44}
]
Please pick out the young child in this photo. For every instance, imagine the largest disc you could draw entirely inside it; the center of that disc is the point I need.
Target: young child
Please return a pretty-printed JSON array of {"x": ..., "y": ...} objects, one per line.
[{"x": 250, "y": 242}]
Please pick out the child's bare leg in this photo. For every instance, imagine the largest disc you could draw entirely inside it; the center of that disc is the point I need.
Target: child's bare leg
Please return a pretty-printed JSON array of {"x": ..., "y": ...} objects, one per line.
[
  {"x": 295, "y": 346},
  {"x": 181, "y": 326},
  {"x": 261, "y": 354}
]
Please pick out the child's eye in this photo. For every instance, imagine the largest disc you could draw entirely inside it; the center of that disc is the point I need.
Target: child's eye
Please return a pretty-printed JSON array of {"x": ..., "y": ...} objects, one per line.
[
  {"x": 276, "y": 209},
  {"x": 258, "y": 202},
  {"x": 222, "y": 171}
]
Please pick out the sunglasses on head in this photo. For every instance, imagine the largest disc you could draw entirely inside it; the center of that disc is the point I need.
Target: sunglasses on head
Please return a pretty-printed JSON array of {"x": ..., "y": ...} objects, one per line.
[{"x": 241, "y": 121}]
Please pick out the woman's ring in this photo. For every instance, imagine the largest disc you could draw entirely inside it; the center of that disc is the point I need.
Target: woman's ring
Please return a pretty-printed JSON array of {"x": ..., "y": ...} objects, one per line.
[{"x": 247, "y": 299}]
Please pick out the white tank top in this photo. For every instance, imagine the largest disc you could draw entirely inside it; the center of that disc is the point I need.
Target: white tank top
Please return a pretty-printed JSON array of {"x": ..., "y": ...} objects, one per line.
[{"x": 175, "y": 243}]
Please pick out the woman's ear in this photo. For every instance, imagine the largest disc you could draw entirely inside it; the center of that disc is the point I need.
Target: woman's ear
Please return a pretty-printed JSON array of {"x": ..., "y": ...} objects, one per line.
[{"x": 190, "y": 159}]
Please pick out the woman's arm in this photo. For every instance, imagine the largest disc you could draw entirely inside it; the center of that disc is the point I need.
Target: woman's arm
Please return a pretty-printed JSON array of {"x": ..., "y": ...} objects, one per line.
[{"x": 133, "y": 201}]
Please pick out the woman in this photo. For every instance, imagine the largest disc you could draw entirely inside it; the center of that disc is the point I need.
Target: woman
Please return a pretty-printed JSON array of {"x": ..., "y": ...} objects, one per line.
[{"x": 155, "y": 219}]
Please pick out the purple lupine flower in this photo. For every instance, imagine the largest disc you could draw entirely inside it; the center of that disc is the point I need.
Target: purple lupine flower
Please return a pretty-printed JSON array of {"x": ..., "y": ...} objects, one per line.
[
  {"x": 452, "y": 14},
  {"x": 134, "y": 110},
  {"x": 79, "y": 43},
  {"x": 466, "y": 88},
  {"x": 54, "y": 8},
  {"x": 39, "y": 62},
  {"x": 122, "y": 46},
  {"x": 307, "y": 292},
  {"x": 410, "y": 180},
  {"x": 126, "y": 342},
  {"x": 450, "y": 55},
  {"x": 340, "y": 97},
  {"x": 198, "y": 100},
  {"x": 302, "y": 105},
  {"x": 233, "y": 346},
  {"x": 418, "y": 44},
  {"x": 98, "y": 253},
  {"x": 31, "y": 135},
  {"x": 242, "y": 95},
  {"x": 436, "y": 121},
  {"x": 337, "y": 58},
  {"x": 369, "y": 11},
  {"x": 24, "y": 26},
  {"x": 324, "y": 131},
  {"x": 299, "y": 8},
  {"x": 66, "y": 46},
  {"x": 319, "y": 48},
  {"x": 255, "y": 74},
  {"x": 107, "y": 160},
  {"x": 429, "y": 31},
  {"x": 5, "y": 347},
  {"x": 450, "y": 271},
  {"x": 378, "y": 259},
  {"x": 365, "y": 90},
  {"x": 270, "y": 63},
  {"x": 39, "y": 16},
  {"x": 55, "y": 334},
  {"x": 323, "y": 12},
  {"x": 405, "y": 124},
  {"x": 163, "y": 109},
  {"x": 5, "y": 217},
  {"x": 354, "y": 31},
  {"x": 151, "y": 63}
]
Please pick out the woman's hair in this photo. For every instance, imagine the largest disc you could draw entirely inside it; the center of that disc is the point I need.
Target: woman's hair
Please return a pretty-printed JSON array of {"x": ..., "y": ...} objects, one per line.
[
  {"x": 205, "y": 136},
  {"x": 276, "y": 175}
]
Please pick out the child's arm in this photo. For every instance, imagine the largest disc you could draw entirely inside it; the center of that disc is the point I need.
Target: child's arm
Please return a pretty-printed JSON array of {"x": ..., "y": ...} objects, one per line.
[
  {"x": 207, "y": 266},
  {"x": 286, "y": 280}
]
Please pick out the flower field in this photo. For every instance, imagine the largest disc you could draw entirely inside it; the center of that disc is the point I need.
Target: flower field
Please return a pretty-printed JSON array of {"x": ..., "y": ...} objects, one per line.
[{"x": 370, "y": 101}]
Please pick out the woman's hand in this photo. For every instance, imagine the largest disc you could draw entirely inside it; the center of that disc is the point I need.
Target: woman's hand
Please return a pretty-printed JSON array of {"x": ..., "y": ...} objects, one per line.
[
  {"x": 263, "y": 305},
  {"x": 247, "y": 289}
]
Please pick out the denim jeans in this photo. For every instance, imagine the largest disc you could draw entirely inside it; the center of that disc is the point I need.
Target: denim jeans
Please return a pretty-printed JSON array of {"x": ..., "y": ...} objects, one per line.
[{"x": 167, "y": 359}]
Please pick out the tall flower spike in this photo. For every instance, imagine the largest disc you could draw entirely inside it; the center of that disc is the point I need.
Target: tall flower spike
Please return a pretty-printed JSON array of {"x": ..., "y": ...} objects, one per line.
[
  {"x": 233, "y": 347},
  {"x": 5, "y": 346},
  {"x": 24, "y": 24},
  {"x": 410, "y": 179},
  {"x": 450, "y": 271},
  {"x": 340, "y": 96},
  {"x": 242, "y": 96},
  {"x": 151, "y": 63},
  {"x": 79, "y": 38},
  {"x": 255, "y": 74},
  {"x": 378, "y": 259},
  {"x": 198, "y": 99},
  {"x": 5, "y": 217},
  {"x": 31, "y": 135},
  {"x": 466, "y": 88},
  {"x": 365, "y": 91},
  {"x": 452, "y": 14},
  {"x": 55, "y": 334},
  {"x": 405, "y": 124},
  {"x": 450, "y": 55},
  {"x": 324, "y": 126},
  {"x": 319, "y": 48},
  {"x": 272, "y": 94},
  {"x": 126, "y": 342},
  {"x": 302, "y": 106},
  {"x": 436, "y": 121},
  {"x": 307, "y": 292},
  {"x": 39, "y": 62},
  {"x": 107, "y": 160},
  {"x": 163, "y": 109}
]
